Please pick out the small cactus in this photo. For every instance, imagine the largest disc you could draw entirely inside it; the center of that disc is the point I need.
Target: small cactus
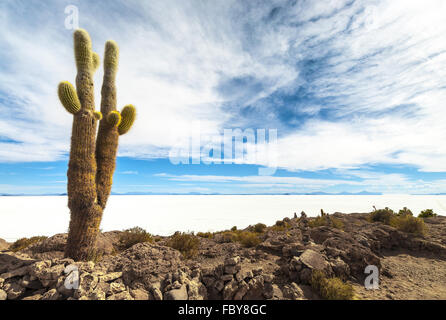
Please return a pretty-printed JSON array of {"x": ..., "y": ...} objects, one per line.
[
  {"x": 98, "y": 115},
  {"x": 128, "y": 115}
]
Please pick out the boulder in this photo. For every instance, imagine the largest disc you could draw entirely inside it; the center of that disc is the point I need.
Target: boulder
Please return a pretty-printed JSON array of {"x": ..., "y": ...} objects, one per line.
[
  {"x": 125, "y": 295},
  {"x": 229, "y": 290},
  {"x": 256, "y": 288},
  {"x": 177, "y": 294},
  {"x": 314, "y": 260},
  {"x": 292, "y": 291},
  {"x": 14, "y": 290},
  {"x": 51, "y": 295},
  {"x": 139, "y": 294},
  {"x": 145, "y": 263}
]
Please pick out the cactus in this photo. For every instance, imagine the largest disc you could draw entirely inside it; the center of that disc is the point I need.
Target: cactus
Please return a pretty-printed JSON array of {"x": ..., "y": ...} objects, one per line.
[
  {"x": 114, "y": 118},
  {"x": 128, "y": 115},
  {"x": 68, "y": 97},
  {"x": 92, "y": 159}
]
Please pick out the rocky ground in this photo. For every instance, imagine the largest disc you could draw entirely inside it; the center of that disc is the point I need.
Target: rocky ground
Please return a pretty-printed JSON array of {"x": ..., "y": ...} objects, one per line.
[{"x": 280, "y": 267}]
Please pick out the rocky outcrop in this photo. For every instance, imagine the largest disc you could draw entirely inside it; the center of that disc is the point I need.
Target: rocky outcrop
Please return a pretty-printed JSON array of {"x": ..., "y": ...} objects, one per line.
[{"x": 280, "y": 267}]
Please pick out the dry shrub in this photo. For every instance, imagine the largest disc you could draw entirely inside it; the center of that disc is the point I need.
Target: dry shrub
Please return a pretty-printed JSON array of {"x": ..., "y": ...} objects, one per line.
[
  {"x": 280, "y": 226},
  {"x": 207, "y": 235},
  {"x": 381, "y": 215},
  {"x": 325, "y": 220},
  {"x": 258, "y": 228},
  {"x": 186, "y": 243},
  {"x": 132, "y": 236},
  {"x": 409, "y": 224},
  {"x": 428, "y": 213},
  {"x": 248, "y": 239},
  {"x": 24, "y": 243},
  {"x": 331, "y": 288}
]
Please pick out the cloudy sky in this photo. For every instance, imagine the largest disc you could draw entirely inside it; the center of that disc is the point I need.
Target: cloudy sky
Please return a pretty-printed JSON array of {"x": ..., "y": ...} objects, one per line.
[{"x": 356, "y": 91}]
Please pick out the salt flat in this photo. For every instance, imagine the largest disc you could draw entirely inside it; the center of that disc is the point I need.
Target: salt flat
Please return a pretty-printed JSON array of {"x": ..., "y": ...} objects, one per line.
[{"x": 165, "y": 214}]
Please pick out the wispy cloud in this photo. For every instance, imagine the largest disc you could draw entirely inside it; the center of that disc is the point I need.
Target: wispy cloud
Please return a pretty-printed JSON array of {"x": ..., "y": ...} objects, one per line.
[
  {"x": 129, "y": 172},
  {"x": 347, "y": 83}
]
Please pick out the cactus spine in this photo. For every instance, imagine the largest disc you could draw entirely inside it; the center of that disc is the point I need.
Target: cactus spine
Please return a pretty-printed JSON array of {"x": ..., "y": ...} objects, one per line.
[{"x": 92, "y": 160}]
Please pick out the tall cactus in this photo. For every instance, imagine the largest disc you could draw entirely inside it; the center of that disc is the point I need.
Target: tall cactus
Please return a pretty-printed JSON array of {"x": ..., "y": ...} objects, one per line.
[{"x": 92, "y": 160}]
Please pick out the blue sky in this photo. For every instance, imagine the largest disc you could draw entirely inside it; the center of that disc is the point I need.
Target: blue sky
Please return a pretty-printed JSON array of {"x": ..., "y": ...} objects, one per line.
[{"x": 355, "y": 89}]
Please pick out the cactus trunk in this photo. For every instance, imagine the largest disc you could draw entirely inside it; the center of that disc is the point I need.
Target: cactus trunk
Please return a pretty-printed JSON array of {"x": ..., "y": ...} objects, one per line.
[{"x": 92, "y": 163}]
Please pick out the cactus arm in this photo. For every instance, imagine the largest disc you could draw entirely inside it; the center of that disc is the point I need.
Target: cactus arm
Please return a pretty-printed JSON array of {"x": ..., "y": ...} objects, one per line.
[
  {"x": 68, "y": 97},
  {"x": 96, "y": 61},
  {"x": 97, "y": 115},
  {"x": 128, "y": 115},
  {"x": 114, "y": 118},
  {"x": 107, "y": 141}
]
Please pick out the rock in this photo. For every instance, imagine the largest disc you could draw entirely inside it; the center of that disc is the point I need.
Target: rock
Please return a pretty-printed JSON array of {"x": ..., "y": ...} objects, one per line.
[
  {"x": 295, "y": 249},
  {"x": 340, "y": 268},
  {"x": 51, "y": 295},
  {"x": 314, "y": 260},
  {"x": 277, "y": 293},
  {"x": 255, "y": 291},
  {"x": 196, "y": 290},
  {"x": 87, "y": 284},
  {"x": 10, "y": 262},
  {"x": 305, "y": 275},
  {"x": 145, "y": 263},
  {"x": 3, "y": 295},
  {"x": 229, "y": 290},
  {"x": 37, "y": 296},
  {"x": 103, "y": 286},
  {"x": 241, "y": 292},
  {"x": 232, "y": 261},
  {"x": 232, "y": 269},
  {"x": 268, "y": 278},
  {"x": 87, "y": 267},
  {"x": 26, "y": 282},
  {"x": 219, "y": 285},
  {"x": 292, "y": 291},
  {"x": 139, "y": 294},
  {"x": 176, "y": 285},
  {"x": 208, "y": 280},
  {"x": 125, "y": 295},
  {"x": 1, "y": 282},
  {"x": 46, "y": 275},
  {"x": 268, "y": 291},
  {"x": 295, "y": 264},
  {"x": 177, "y": 294},
  {"x": 116, "y": 287},
  {"x": 157, "y": 295},
  {"x": 257, "y": 271},
  {"x": 244, "y": 274},
  {"x": 15, "y": 273},
  {"x": 226, "y": 277},
  {"x": 14, "y": 290}
]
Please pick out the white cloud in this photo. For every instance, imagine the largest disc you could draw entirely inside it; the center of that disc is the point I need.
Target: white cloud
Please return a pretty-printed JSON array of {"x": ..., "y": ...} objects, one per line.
[{"x": 175, "y": 55}]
